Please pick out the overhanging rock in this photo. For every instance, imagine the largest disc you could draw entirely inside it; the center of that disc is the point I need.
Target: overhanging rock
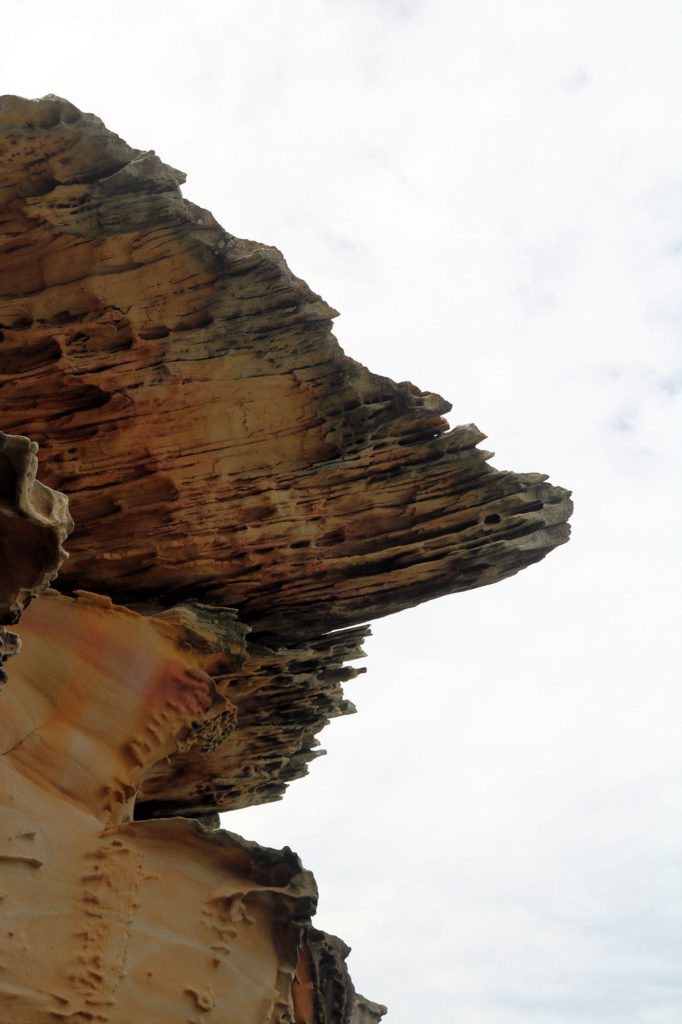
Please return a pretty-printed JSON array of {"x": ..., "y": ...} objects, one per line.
[{"x": 245, "y": 497}]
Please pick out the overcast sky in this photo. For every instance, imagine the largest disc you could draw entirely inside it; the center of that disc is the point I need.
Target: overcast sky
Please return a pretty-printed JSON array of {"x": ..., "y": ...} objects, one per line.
[{"x": 490, "y": 193}]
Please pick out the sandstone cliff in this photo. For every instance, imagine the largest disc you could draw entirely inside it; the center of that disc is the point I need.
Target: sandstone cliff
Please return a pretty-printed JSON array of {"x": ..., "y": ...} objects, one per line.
[{"x": 245, "y": 497}]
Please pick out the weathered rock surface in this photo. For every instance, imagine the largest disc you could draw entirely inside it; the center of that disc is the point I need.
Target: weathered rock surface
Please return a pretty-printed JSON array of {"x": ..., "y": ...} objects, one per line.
[
  {"x": 34, "y": 522},
  {"x": 323, "y": 992},
  {"x": 245, "y": 496},
  {"x": 113, "y": 920},
  {"x": 164, "y": 366}
]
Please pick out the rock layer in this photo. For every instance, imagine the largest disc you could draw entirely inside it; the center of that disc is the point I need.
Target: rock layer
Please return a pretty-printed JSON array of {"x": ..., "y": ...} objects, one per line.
[
  {"x": 164, "y": 366},
  {"x": 245, "y": 497}
]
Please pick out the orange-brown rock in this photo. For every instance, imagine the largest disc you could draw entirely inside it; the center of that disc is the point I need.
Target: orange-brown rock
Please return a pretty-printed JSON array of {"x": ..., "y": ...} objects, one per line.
[
  {"x": 101, "y": 918},
  {"x": 164, "y": 366},
  {"x": 245, "y": 496}
]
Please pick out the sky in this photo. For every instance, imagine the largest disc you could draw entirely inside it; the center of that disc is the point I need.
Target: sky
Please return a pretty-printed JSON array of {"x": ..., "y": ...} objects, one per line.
[{"x": 490, "y": 193}]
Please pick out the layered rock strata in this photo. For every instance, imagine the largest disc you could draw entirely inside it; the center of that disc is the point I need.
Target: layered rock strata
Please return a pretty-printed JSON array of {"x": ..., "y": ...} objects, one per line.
[{"x": 245, "y": 497}]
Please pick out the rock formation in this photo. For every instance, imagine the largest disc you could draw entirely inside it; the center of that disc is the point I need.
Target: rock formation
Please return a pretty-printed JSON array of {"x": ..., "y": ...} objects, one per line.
[
  {"x": 34, "y": 521},
  {"x": 245, "y": 497}
]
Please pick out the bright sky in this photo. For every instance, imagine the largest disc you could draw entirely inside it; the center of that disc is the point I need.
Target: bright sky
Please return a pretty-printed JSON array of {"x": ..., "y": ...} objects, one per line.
[{"x": 490, "y": 192}]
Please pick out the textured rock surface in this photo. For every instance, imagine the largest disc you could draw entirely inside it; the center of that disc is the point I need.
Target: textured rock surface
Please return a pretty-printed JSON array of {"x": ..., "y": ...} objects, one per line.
[
  {"x": 248, "y": 496},
  {"x": 163, "y": 365},
  {"x": 323, "y": 992},
  {"x": 34, "y": 522},
  {"x": 104, "y": 919}
]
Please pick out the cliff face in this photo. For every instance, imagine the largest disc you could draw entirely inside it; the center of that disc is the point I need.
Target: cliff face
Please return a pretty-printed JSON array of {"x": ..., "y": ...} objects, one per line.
[{"x": 244, "y": 497}]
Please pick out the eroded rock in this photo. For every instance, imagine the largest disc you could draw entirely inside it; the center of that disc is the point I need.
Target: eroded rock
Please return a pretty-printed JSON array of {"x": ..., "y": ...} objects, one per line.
[
  {"x": 167, "y": 366},
  {"x": 245, "y": 497},
  {"x": 34, "y": 522}
]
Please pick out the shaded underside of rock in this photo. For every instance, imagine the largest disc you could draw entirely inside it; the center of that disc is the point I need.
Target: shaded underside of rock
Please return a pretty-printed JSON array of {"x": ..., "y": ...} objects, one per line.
[
  {"x": 323, "y": 991},
  {"x": 276, "y": 701},
  {"x": 34, "y": 523}
]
